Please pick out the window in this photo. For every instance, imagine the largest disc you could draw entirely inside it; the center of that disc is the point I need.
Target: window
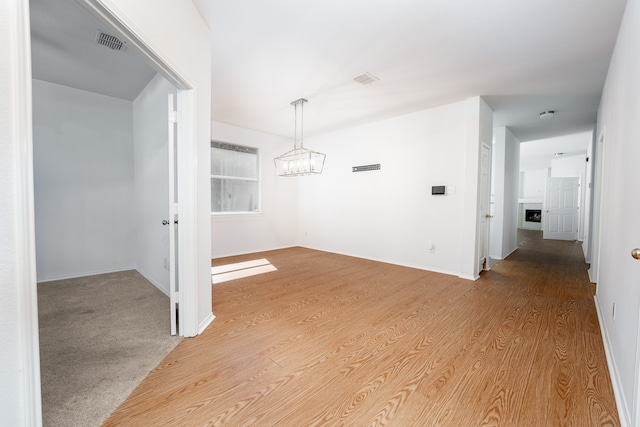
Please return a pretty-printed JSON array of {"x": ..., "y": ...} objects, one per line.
[{"x": 234, "y": 178}]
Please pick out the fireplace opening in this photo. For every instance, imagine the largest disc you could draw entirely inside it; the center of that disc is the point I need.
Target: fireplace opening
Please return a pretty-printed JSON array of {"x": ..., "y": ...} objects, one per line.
[{"x": 532, "y": 215}]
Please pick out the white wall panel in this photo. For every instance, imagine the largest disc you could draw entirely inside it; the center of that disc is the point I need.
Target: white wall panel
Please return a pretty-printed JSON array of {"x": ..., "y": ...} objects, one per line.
[{"x": 83, "y": 167}]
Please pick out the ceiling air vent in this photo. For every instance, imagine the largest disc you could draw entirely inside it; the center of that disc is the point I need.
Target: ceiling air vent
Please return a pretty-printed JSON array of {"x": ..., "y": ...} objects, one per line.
[
  {"x": 366, "y": 78},
  {"x": 112, "y": 42},
  {"x": 365, "y": 168}
]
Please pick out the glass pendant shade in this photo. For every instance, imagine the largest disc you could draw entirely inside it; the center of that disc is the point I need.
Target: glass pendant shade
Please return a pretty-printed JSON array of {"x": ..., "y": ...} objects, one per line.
[{"x": 300, "y": 160}]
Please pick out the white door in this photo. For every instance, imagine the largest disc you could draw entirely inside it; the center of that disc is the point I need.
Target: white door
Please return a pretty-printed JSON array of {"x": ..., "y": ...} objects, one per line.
[
  {"x": 561, "y": 208},
  {"x": 485, "y": 200},
  {"x": 172, "y": 221}
]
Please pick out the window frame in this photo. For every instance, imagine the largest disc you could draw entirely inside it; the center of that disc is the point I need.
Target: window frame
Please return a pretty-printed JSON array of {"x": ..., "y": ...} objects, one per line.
[{"x": 238, "y": 178}]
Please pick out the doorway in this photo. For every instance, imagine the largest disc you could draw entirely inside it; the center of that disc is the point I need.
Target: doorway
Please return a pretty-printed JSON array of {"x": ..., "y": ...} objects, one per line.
[{"x": 101, "y": 172}]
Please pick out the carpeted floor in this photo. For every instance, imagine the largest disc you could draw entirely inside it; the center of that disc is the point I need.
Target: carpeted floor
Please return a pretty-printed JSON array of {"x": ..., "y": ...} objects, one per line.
[{"x": 99, "y": 337}]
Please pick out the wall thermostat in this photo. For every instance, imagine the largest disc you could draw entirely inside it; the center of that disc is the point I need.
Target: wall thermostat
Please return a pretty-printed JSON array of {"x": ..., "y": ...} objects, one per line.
[{"x": 438, "y": 189}]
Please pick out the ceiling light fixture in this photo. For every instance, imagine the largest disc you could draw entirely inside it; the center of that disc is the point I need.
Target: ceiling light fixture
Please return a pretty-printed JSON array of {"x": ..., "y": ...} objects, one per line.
[
  {"x": 558, "y": 154},
  {"x": 300, "y": 160},
  {"x": 547, "y": 114}
]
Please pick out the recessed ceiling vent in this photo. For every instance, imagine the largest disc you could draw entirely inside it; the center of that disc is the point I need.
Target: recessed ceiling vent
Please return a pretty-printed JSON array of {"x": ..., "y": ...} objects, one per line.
[
  {"x": 112, "y": 42},
  {"x": 366, "y": 79}
]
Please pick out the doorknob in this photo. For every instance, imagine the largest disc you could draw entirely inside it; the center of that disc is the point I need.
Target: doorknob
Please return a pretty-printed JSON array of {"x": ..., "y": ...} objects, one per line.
[
  {"x": 165, "y": 222},
  {"x": 488, "y": 216},
  {"x": 636, "y": 253}
]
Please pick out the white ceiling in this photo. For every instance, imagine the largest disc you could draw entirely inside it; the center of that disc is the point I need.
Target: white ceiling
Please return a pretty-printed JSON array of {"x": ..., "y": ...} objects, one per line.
[{"x": 523, "y": 57}]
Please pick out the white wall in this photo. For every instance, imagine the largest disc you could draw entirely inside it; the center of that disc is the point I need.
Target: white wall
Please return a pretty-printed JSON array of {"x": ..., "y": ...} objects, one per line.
[
  {"x": 531, "y": 187},
  {"x": 619, "y": 230},
  {"x": 151, "y": 176},
  {"x": 569, "y": 166},
  {"x": 505, "y": 185},
  {"x": 177, "y": 32},
  {"x": 390, "y": 214},
  {"x": 276, "y": 226},
  {"x": 535, "y": 155},
  {"x": 83, "y": 167}
]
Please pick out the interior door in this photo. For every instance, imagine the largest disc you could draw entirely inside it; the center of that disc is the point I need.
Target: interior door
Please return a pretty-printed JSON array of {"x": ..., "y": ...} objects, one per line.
[
  {"x": 561, "y": 207},
  {"x": 172, "y": 221},
  {"x": 485, "y": 200}
]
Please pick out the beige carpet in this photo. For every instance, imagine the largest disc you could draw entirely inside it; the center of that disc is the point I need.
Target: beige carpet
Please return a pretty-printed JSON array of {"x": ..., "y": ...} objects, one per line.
[{"x": 99, "y": 337}]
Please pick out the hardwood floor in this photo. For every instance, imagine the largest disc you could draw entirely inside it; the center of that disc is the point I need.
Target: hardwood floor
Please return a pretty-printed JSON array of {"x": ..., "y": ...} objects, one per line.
[{"x": 329, "y": 340}]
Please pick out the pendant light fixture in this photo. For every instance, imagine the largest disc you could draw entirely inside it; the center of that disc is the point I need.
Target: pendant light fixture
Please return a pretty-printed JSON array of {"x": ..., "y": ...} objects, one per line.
[{"x": 300, "y": 160}]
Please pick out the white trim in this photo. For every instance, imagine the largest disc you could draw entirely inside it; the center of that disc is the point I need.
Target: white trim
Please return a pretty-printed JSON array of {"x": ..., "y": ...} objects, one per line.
[
  {"x": 416, "y": 266},
  {"x": 113, "y": 17},
  {"x": 188, "y": 214},
  {"x": 86, "y": 274},
  {"x": 153, "y": 282},
  {"x": 206, "y": 322},
  {"x": 623, "y": 410},
  {"x": 408, "y": 265},
  {"x": 27, "y": 302},
  {"x": 596, "y": 231}
]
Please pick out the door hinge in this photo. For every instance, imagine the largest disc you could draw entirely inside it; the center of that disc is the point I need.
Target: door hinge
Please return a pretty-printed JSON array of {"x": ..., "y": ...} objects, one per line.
[
  {"x": 175, "y": 209},
  {"x": 173, "y": 117}
]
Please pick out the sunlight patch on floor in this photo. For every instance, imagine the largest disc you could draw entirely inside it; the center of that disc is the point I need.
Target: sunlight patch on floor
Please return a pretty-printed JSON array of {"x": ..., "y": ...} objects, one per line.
[{"x": 238, "y": 270}]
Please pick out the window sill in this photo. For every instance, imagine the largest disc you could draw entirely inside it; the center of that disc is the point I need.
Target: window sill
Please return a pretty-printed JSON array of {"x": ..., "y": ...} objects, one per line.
[{"x": 234, "y": 215}]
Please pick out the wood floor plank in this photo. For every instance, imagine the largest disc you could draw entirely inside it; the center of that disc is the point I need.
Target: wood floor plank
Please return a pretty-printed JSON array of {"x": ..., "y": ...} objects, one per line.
[{"x": 330, "y": 340}]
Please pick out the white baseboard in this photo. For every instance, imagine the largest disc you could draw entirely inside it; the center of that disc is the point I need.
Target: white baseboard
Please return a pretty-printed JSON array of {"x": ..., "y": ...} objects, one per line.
[
  {"x": 84, "y": 274},
  {"x": 153, "y": 282},
  {"x": 401, "y": 264},
  {"x": 206, "y": 322},
  {"x": 623, "y": 411}
]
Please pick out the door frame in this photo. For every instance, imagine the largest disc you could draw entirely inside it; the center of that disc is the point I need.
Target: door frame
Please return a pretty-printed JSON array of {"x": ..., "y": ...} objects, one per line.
[
  {"x": 187, "y": 155},
  {"x": 20, "y": 131},
  {"x": 484, "y": 233}
]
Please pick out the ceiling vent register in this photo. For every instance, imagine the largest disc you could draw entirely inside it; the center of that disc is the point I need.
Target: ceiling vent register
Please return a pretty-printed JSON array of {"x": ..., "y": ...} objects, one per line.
[
  {"x": 112, "y": 42},
  {"x": 366, "y": 78}
]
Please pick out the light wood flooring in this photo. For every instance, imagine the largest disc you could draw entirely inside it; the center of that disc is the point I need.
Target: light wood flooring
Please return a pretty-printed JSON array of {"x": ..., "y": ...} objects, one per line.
[{"x": 330, "y": 340}]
